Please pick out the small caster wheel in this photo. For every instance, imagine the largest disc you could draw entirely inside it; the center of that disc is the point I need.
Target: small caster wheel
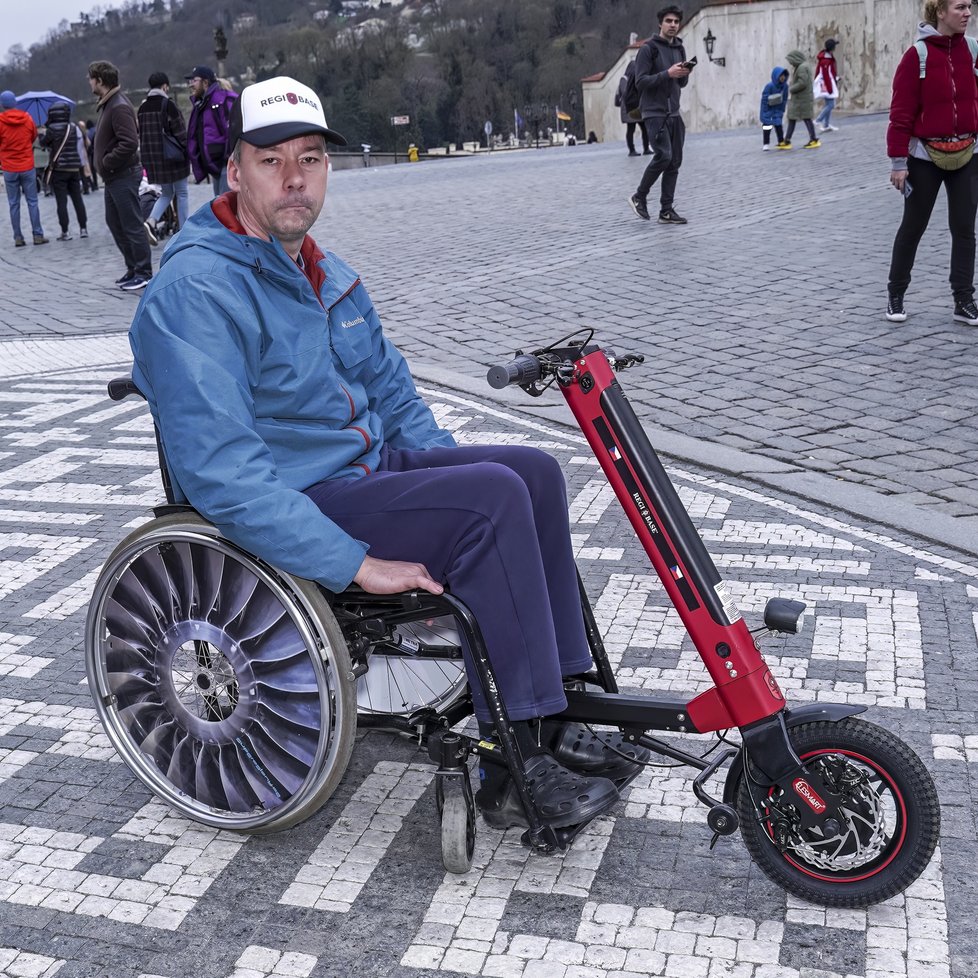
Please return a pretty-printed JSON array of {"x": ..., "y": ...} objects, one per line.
[
  {"x": 722, "y": 819},
  {"x": 457, "y": 832}
]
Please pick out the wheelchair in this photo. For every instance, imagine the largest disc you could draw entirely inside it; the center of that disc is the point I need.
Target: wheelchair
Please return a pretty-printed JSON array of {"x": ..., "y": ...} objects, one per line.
[{"x": 234, "y": 690}]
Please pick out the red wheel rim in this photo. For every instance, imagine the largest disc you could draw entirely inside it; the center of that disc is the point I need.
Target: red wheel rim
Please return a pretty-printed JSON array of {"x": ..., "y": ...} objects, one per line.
[{"x": 894, "y": 845}]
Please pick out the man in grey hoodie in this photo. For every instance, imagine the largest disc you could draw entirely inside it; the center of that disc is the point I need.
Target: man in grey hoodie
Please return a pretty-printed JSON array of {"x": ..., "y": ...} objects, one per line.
[{"x": 661, "y": 72}]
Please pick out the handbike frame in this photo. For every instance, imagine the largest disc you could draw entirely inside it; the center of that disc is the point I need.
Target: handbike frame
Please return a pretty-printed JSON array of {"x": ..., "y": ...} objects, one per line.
[{"x": 744, "y": 692}]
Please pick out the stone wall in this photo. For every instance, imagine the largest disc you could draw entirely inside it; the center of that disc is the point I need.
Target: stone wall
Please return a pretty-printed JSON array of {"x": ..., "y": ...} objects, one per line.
[{"x": 752, "y": 38}]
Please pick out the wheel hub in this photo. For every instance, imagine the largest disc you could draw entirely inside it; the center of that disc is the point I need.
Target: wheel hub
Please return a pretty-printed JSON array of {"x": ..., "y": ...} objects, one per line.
[{"x": 205, "y": 680}]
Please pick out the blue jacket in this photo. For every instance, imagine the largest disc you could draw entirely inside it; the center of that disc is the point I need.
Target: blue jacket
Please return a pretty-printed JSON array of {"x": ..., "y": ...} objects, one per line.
[
  {"x": 260, "y": 389},
  {"x": 771, "y": 115}
]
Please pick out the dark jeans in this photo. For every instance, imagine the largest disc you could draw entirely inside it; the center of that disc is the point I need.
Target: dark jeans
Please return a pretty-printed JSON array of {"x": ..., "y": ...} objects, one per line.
[
  {"x": 491, "y": 522},
  {"x": 67, "y": 183},
  {"x": 791, "y": 129},
  {"x": 766, "y": 134},
  {"x": 124, "y": 218},
  {"x": 962, "y": 202},
  {"x": 666, "y": 136},
  {"x": 630, "y": 136}
]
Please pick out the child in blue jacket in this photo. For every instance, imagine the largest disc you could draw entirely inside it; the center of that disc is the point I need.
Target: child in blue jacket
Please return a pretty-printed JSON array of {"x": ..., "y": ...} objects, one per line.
[{"x": 774, "y": 98}]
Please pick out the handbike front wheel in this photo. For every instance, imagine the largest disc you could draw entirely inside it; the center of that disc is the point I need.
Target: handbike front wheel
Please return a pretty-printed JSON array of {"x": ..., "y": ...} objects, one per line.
[{"x": 891, "y": 822}]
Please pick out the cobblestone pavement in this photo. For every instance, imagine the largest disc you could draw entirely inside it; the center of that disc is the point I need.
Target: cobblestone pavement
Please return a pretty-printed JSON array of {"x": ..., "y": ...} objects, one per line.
[
  {"x": 99, "y": 879},
  {"x": 762, "y": 319}
]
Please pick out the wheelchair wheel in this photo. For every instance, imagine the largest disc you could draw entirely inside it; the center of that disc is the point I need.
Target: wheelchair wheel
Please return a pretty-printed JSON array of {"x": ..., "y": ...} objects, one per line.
[
  {"x": 399, "y": 683},
  {"x": 225, "y": 685}
]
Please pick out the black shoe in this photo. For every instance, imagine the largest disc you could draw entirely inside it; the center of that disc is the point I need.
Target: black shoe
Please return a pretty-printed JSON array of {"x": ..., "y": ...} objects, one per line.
[
  {"x": 669, "y": 216},
  {"x": 966, "y": 312},
  {"x": 606, "y": 754},
  {"x": 20, "y": 243},
  {"x": 151, "y": 233},
  {"x": 894, "y": 309},
  {"x": 563, "y": 798},
  {"x": 639, "y": 206},
  {"x": 134, "y": 284},
  {"x": 632, "y": 152},
  {"x": 64, "y": 236},
  {"x": 647, "y": 152},
  {"x": 125, "y": 278}
]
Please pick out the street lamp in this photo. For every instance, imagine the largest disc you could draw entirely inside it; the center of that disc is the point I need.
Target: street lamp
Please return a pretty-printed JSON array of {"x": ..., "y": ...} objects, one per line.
[{"x": 709, "y": 41}]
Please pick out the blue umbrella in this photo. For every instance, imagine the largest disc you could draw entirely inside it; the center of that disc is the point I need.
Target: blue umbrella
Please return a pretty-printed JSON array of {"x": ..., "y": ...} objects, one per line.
[{"x": 36, "y": 104}]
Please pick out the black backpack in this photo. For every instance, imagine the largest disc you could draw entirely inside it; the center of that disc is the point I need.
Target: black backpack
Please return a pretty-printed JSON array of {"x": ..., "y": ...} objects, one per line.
[{"x": 630, "y": 96}]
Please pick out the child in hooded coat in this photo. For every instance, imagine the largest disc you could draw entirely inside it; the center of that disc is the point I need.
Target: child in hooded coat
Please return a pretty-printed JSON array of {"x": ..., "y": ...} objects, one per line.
[{"x": 774, "y": 98}]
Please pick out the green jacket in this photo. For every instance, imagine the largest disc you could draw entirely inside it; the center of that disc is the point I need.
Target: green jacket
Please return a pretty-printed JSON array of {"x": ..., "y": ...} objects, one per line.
[{"x": 801, "y": 101}]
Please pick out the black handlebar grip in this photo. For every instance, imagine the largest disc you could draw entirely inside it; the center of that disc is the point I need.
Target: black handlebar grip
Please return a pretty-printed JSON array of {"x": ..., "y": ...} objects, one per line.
[
  {"x": 524, "y": 369},
  {"x": 121, "y": 387}
]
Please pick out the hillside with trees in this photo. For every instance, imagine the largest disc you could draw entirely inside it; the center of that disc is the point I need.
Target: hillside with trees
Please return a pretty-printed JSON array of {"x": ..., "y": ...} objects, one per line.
[{"x": 449, "y": 65}]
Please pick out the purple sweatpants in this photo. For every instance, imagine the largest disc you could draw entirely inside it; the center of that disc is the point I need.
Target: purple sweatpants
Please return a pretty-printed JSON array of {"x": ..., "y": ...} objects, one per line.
[{"x": 491, "y": 523}]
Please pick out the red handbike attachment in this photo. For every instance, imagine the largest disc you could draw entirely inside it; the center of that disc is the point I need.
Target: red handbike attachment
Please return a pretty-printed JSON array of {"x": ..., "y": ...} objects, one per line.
[{"x": 834, "y": 809}]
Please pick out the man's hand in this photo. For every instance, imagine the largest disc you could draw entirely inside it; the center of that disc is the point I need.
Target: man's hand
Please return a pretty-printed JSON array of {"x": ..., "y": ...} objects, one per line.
[
  {"x": 678, "y": 70},
  {"x": 898, "y": 178},
  {"x": 391, "y": 576}
]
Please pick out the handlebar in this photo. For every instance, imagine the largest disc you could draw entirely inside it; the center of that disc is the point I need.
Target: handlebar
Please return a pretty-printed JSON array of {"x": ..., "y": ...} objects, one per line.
[
  {"x": 529, "y": 368},
  {"x": 525, "y": 369}
]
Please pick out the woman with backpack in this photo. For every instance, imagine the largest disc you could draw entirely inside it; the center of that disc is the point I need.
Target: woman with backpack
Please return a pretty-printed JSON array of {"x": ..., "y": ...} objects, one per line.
[
  {"x": 931, "y": 142},
  {"x": 63, "y": 173}
]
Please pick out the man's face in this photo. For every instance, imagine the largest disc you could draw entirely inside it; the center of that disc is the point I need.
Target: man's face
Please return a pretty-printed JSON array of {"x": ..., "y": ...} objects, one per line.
[
  {"x": 96, "y": 86},
  {"x": 281, "y": 188},
  {"x": 954, "y": 20},
  {"x": 670, "y": 25},
  {"x": 198, "y": 86}
]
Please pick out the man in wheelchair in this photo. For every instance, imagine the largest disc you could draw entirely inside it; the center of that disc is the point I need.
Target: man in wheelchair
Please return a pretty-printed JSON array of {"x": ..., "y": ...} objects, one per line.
[{"x": 289, "y": 421}]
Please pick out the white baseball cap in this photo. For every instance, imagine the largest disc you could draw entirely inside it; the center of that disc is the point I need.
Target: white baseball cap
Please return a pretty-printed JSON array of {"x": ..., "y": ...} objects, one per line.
[{"x": 275, "y": 110}]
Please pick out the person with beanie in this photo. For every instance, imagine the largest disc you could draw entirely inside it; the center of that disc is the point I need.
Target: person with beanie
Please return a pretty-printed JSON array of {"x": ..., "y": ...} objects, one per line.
[
  {"x": 61, "y": 139},
  {"x": 17, "y": 135},
  {"x": 827, "y": 85}
]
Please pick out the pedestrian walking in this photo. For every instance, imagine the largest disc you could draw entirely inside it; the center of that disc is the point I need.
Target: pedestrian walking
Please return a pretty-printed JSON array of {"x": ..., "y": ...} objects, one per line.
[
  {"x": 17, "y": 135},
  {"x": 801, "y": 101},
  {"x": 207, "y": 130},
  {"x": 930, "y": 142},
  {"x": 627, "y": 99},
  {"x": 117, "y": 161},
  {"x": 774, "y": 99},
  {"x": 826, "y": 85},
  {"x": 163, "y": 150},
  {"x": 64, "y": 166},
  {"x": 661, "y": 73}
]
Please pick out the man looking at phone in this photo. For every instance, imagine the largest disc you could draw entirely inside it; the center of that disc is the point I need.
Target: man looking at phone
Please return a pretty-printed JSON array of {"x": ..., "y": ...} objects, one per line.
[{"x": 661, "y": 72}]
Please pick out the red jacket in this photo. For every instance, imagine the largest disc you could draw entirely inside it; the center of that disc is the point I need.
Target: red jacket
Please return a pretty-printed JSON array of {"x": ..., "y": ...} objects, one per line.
[
  {"x": 17, "y": 135},
  {"x": 942, "y": 103}
]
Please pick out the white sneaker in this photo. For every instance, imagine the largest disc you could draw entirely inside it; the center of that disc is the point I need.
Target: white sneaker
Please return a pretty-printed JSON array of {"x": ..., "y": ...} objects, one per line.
[
  {"x": 765, "y": 147},
  {"x": 822, "y": 128},
  {"x": 831, "y": 128}
]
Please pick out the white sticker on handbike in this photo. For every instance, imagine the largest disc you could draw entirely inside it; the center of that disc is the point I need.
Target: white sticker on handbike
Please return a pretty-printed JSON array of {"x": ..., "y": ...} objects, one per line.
[{"x": 730, "y": 608}]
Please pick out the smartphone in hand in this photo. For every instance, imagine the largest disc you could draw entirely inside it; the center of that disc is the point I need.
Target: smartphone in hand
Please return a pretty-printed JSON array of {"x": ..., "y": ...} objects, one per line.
[
  {"x": 907, "y": 188},
  {"x": 691, "y": 64}
]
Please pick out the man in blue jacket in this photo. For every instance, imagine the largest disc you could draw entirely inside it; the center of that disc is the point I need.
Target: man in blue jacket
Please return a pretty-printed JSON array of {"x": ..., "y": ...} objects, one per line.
[{"x": 290, "y": 422}]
